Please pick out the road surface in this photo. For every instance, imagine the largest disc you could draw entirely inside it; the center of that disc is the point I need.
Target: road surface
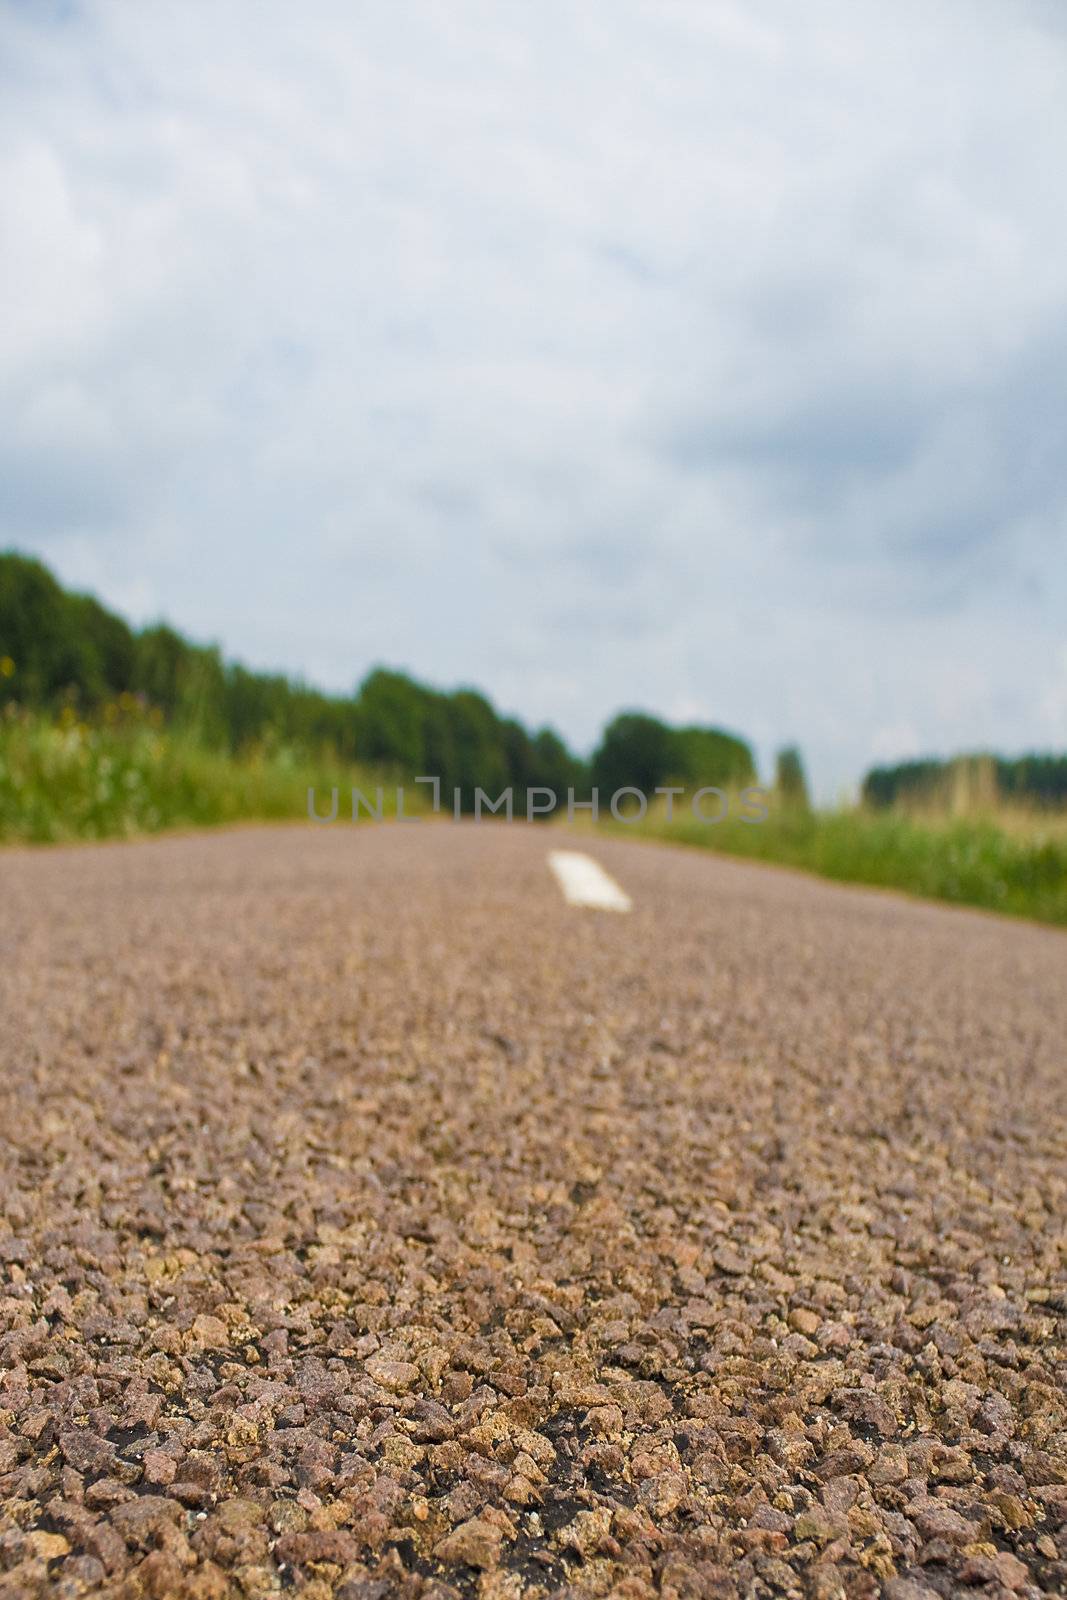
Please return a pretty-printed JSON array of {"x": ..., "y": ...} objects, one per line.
[{"x": 376, "y": 1222}]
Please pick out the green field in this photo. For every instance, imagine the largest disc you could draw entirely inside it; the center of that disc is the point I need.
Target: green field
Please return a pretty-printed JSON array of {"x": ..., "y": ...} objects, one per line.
[
  {"x": 1015, "y": 862},
  {"x": 123, "y": 773}
]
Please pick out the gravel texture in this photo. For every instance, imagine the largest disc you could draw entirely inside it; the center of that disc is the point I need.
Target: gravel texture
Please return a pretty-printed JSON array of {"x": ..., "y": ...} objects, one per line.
[{"x": 375, "y": 1224}]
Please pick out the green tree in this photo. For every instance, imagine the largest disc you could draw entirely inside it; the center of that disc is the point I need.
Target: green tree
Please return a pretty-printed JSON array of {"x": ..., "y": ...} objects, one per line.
[
  {"x": 635, "y": 751},
  {"x": 44, "y": 631},
  {"x": 159, "y": 662},
  {"x": 641, "y": 752},
  {"x": 790, "y": 780},
  {"x": 702, "y": 756},
  {"x": 53, "y": 643},
  {"x": 392, "y": 721},
  {"x": 108, "y": 648}
]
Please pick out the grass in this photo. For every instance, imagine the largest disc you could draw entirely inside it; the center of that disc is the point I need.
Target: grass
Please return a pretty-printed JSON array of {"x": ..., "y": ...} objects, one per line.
[
  {"x": 124, "y": 774},
  {"x": 1015, "y": 864}
]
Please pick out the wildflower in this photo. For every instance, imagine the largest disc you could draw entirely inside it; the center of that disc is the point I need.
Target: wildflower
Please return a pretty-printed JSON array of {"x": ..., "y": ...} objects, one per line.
[{"x": 7, "y": 667}]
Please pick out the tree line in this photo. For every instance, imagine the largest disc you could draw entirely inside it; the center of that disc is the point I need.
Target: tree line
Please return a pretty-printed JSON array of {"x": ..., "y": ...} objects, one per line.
[
  {"x": 58, "y": 647},
  {"x": 1030, "y": 780}
]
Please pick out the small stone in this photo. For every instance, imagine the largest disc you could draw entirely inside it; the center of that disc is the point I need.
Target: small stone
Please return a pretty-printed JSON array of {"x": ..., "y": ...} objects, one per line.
[
  {"x": 242, "y": 1436},
  {"x": 978, "y": 1569},
  {"x": 475, "y": 1543},
  {"x": 394, "y": 1375},
  {"x": 805, "y": 1322},
  {"x": 604, "y": 1419},
  {"x": 86, "y": 1451},
  {"x": 401, "y": 1452},
  {"x": 663, "y": 1493},
  {"x": 287, "y": 1517},
  {"x": 935, "y": 1520},
  {"x": 107, "y": 1492},
  {"x": 328, "y": 1544},
  {"x": 1011, "y": 1512},
  {"x": 729, "y": 1261},
  {"x": 209, "y": 1333},
  {"x": 86, "y": 1570},
  {"x": 814, "y": 1524},
  {"x": 773, "y": 1520},
  {"x": 159, "y": 1467},
  {"x": 889, "y": 1466},
  {"x": 35, "y": 1423},
  {"x": 588, "y": 1531},
  {"x": 142, "y": 1520},
  {"x": 1011, "y": 1571},
  {"x": 432, "y": 1422},
  {"x": 234, "y": 1515},
  {"x": 909, "y": 1589},
  {"x": 521, "y": 1491},
  {"x": 47, "y": 1546}
]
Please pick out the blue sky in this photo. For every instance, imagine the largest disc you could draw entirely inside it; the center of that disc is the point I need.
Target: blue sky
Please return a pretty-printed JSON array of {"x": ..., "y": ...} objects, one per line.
[{"x": 705, "y": 357}]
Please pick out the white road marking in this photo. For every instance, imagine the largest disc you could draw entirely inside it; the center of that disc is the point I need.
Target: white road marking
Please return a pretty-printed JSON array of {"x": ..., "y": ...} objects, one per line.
[{"x": 585, "y": 883}]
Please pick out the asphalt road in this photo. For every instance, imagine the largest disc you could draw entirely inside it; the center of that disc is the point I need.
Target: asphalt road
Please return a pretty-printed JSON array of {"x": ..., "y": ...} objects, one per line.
[{"x": 375, "y": 1222}]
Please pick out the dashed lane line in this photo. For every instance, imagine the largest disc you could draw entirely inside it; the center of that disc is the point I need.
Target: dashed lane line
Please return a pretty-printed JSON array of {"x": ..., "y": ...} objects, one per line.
[{"x": 585, "y": 883}]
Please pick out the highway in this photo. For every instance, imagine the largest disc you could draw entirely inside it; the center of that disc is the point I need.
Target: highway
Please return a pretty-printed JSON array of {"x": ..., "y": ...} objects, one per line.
[{"x": 377, "y": 1221}]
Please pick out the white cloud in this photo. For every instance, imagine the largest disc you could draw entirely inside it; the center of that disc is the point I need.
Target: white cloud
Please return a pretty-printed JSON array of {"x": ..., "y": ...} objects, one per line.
[{"x": 690, "y": 355}]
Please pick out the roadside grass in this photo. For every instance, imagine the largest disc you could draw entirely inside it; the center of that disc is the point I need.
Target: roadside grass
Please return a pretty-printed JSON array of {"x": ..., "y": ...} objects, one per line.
[
  {"x": 1016, "y": 864},
  {"x": 124, "y": 774}
]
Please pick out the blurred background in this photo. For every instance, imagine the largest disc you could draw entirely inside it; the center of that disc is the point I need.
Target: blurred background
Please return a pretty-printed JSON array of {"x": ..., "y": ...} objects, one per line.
[{"x": 702, "y": 360}]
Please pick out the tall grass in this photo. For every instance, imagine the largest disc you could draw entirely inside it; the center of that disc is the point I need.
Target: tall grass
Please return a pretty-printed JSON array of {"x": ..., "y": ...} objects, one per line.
[
  {"x": 124, "y": 774},
  {"x": 1016, "y": 864}
]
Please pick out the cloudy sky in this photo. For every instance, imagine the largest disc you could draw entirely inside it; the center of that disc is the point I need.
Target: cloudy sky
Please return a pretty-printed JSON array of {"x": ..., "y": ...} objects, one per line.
[{"x": 701, "y": 356}]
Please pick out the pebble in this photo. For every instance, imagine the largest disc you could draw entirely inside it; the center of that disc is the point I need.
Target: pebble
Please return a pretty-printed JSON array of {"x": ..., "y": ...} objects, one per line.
[{"x": 307, "y": 1284}]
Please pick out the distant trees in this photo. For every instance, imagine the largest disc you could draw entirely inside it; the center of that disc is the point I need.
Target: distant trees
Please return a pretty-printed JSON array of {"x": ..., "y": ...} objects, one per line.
[
  {"x": 69, "y": 648},
  {"x": 458, "y": 738},
  {"x": 394, "y": 719},
  {"x": 639, "y": 750},
  {"x": 1033, "y": 779},
  {"x": 106, "y": 644},
  {"x": 710, "y": 756},
  {"x": 790, "y": 780},
  {"x": 634, "y": 749},
  {"x": 56, "y": 639},
  {"x": 969, "y": 782},
  {"x": 884, "y": 786}
]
